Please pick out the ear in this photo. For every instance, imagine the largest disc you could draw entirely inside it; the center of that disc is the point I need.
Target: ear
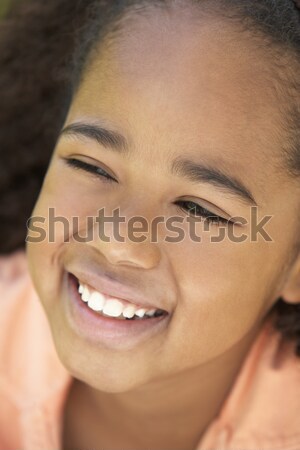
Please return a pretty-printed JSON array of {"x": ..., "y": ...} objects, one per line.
[{"x": 291, "y": 290}]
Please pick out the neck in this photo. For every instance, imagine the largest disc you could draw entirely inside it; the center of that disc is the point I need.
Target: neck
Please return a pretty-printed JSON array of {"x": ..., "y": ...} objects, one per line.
[{"x": 170, "y": 413}]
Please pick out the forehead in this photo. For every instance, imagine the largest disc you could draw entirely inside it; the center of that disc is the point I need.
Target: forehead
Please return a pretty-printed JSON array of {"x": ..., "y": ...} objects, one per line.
[{"x": 176, "y": 83}]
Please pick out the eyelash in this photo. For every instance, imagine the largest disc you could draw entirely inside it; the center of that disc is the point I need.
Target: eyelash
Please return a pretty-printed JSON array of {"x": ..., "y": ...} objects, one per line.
[
  {"x": 82, "y": 165},
  {"x": 201, "y": 212}
]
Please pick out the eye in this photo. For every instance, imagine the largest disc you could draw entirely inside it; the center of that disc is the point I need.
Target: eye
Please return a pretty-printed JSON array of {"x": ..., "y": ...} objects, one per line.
[
  {"x": 198, "y": 211},
  {"x": 95, "y": 170}
]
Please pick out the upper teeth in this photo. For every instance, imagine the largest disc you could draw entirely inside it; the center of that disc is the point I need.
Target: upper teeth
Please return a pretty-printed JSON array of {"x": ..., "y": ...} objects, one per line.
[{"x": 111, "y": 306}]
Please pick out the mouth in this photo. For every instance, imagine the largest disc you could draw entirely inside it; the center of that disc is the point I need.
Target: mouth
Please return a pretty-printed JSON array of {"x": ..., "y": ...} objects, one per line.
[
  {"x": 108, "y": 320},
  {"x": 115, "y": 307}
]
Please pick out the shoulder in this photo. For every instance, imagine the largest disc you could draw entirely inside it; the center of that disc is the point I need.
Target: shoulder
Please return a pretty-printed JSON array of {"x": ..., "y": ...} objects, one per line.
[
  {"x": 27, "y": 349},
  {"x": 263, "y": 407},
  {"x": 20, "y": 312},
  {"x": 33, "y": 382},
  {"x": 17, "y": 297}
]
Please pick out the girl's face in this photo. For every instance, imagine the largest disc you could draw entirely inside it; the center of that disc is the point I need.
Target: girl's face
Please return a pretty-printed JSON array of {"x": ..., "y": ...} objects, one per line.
[{"x": 186, "y": 112}]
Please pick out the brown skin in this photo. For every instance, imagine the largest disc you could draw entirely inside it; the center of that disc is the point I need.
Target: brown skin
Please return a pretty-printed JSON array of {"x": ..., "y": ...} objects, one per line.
[{"x": 172, "y": 87}]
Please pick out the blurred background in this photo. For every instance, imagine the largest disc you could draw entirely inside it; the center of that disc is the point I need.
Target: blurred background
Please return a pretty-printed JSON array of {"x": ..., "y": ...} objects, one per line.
[
  {"x": 3, "y": 7},
  {"x": 37, "y": 40}
]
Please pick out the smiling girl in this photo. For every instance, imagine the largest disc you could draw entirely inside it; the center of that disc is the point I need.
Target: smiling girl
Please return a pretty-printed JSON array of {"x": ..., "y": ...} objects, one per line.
[{"x": 177, "y": 109}]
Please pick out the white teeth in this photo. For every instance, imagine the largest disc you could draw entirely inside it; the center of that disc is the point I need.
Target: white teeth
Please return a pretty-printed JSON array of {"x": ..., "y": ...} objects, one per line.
[
  {"x": 80, "y": 289},
  {"x": 129, "y": 312},
  {"x": 140, "y": 312},
  {"x": 110, "y": 306},
  {"x": 113, "y": 308},
  {"x": 86, "y": 294},
  {"x": 96, "y": 301}
]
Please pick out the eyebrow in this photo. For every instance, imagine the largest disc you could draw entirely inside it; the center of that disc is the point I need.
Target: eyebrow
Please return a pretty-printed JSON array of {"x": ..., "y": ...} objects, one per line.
[
  {"x": 202, "y": 173},
  {"x": 107, "y": 138},
  {"x": 191, "y": 171}
]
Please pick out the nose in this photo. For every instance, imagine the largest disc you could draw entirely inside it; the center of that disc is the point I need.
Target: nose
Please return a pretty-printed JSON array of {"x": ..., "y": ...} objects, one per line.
[{"x": 115, "y": 239}]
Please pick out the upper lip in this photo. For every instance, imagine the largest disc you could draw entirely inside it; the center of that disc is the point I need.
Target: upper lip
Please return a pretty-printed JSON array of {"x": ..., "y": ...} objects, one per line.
[{"x": 118, "y": 290}]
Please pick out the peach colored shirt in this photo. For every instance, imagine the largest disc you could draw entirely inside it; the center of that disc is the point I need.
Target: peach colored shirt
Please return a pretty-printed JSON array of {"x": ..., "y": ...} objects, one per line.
[{"x": 261, "y": 412}]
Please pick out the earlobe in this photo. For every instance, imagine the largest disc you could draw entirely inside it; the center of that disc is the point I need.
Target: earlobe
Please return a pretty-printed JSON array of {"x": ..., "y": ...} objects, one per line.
[{"x": 291, "y": 289}]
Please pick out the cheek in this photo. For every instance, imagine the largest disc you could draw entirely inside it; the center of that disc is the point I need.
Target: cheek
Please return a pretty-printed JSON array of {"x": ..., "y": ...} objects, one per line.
[
  {"x": 223, "y": 291},
  {"x": 66, "y": 200},
  {"x": 63, "y": 206},
  {"x": 58, "y": 203}
]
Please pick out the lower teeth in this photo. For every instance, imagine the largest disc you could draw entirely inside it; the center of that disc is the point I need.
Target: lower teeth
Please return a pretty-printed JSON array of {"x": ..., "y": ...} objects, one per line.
[{"x": 157, "y": 313}]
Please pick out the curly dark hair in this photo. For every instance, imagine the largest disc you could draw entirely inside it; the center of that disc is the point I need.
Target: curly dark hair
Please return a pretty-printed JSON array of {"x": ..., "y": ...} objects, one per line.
[{"x": 44, "y": 49}]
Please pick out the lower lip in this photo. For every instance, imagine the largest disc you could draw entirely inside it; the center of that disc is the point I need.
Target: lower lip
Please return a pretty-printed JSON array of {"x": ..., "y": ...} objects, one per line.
[{"x": 110, "y": 332}]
